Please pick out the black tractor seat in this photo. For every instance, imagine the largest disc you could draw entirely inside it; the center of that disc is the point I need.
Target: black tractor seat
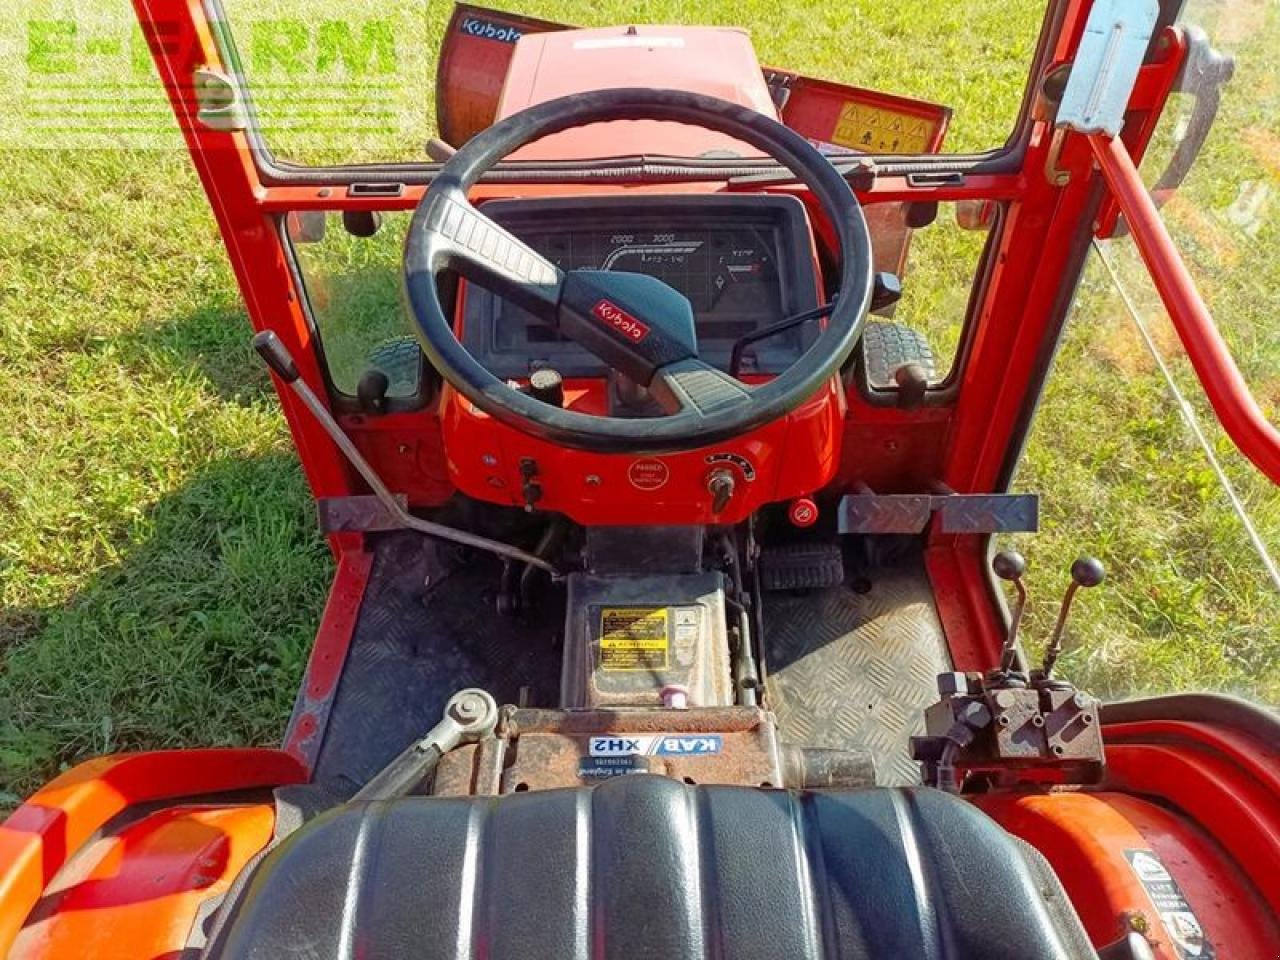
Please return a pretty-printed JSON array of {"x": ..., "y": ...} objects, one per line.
[{"x": 641, "y": 866}]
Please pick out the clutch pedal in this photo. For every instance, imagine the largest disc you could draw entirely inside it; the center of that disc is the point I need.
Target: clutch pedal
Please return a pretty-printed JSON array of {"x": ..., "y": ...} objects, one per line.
[{"x": 801, "y": 566}]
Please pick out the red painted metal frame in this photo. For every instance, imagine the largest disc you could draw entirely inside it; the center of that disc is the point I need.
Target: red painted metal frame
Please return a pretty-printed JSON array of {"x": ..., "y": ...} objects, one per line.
[
  {"x": 1221, "y": 779},
  {"x": 1013, "y": 330},
  {"x": 971, "y": 438},
  {"x": 45, "y": 832},
  {"x": 328, "y": 657},
  {"x": 1226, "y": 389}
]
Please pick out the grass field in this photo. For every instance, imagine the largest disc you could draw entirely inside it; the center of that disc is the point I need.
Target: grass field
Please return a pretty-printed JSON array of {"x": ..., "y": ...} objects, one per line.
[{"x": 160, "y": 573}]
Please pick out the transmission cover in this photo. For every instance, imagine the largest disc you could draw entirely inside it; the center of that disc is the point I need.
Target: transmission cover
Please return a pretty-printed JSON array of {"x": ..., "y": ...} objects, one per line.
[{"x": 628, "y": 638}]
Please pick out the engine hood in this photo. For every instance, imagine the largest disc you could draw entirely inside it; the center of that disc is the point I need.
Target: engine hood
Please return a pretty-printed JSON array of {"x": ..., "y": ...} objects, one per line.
[{"x": 716, "y": 61}]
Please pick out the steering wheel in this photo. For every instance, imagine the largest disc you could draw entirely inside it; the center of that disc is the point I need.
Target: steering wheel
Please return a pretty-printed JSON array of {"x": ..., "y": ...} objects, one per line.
[{"x": 634, "y": 323}]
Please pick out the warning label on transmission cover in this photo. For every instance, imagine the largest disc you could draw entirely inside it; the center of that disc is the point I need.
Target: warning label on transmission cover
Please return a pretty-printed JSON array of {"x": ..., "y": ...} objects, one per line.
[
  {"x": 1175, "y": 913},
  {"x": 634, "y": 638}
]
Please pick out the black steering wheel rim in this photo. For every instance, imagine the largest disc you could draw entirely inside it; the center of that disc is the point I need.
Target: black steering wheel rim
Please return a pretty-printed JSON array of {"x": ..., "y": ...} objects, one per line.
[{"x": 428, "y": 252}]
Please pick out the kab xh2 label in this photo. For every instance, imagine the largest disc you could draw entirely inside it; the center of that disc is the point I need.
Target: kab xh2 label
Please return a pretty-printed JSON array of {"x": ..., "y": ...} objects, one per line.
[{"x": 656, "y": 745}]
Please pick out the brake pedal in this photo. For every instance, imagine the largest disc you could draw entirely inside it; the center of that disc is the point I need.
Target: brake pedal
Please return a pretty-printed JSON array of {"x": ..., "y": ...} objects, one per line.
[{"x": 801, "y": 566}]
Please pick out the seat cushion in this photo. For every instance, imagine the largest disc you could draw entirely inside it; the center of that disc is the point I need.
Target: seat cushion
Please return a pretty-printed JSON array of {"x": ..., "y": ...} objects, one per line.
[{"x": 642, "y": 866}]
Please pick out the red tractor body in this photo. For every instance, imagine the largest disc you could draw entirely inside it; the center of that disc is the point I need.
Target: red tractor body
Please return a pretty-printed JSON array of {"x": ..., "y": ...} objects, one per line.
[{"x": 679, "y": 596}]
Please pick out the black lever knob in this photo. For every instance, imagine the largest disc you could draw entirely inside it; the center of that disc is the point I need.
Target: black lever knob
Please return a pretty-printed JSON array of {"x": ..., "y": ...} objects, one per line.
[
  {"x": 1088, "y": 572},
  {"x": 913, "y": 383},
  {"x": 276, "y": 355},
  {"x": 1009, "y": 565},
  {"x": 372, "y": 391},
  {"x": 886, "y": 290},
  {"x": 547, "y": 385}
]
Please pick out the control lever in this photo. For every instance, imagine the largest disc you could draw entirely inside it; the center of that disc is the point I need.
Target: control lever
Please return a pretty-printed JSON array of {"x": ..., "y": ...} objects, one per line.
[
  {"x": 1085, "y": 572},
  {"x": 470, "y": 715},
  {"x": 1010, "y": 565},
  {"x": 281, "y": 362}
]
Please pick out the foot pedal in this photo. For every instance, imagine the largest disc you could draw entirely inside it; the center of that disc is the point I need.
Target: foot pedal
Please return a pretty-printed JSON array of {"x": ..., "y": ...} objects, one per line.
[{"x": 801, "y": 566}]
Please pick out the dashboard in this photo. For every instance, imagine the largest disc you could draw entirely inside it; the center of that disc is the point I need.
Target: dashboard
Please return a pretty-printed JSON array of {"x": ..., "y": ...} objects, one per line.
[{"x": 743, "y": 261}]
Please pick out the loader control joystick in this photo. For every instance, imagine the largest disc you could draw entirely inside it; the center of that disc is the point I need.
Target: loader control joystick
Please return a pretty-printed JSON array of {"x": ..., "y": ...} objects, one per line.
[{"x": 1009, "y": 565}]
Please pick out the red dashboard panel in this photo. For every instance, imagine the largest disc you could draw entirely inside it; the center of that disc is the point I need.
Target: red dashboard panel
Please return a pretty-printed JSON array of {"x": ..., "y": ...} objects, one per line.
[{"x": 790, "y": 457}]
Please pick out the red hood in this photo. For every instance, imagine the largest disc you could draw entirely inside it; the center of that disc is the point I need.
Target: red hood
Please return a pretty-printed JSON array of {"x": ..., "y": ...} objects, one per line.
[{"x": 716, "y": 61}]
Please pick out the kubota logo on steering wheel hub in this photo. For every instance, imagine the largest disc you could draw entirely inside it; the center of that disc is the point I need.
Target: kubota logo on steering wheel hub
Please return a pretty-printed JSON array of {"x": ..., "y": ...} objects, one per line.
[{"x": 614, "y": 316}]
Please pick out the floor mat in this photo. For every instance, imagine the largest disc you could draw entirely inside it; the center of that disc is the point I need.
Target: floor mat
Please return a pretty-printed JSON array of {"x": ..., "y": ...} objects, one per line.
[
  {"x": 428, "y": 627},
  {"x": 857, "y": 670},
  {"x": 846, "y": 669}
]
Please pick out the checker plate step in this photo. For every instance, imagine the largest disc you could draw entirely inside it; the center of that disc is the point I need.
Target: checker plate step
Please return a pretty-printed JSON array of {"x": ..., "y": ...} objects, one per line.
[{"x": 856, "y": 671}]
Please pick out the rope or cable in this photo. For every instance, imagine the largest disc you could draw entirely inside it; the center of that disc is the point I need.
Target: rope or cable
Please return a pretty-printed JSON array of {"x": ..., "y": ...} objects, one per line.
[{"x": 1192, "y": 421}]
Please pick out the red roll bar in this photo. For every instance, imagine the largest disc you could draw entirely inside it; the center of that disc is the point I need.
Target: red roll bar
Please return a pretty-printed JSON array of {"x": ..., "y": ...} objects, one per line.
[{"x": 1226, "y": 389}]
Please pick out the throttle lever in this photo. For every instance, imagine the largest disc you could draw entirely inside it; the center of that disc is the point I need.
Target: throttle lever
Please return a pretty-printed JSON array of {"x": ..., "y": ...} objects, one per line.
[{"x": 277, "y": 356}]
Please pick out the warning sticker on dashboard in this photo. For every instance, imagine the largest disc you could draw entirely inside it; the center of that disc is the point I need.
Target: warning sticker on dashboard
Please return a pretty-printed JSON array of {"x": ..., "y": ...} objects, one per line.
[{"x": 634, "y": 638}]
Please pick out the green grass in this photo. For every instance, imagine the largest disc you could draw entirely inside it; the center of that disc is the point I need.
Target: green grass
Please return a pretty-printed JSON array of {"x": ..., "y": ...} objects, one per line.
[{"x": 160, "y": 574}]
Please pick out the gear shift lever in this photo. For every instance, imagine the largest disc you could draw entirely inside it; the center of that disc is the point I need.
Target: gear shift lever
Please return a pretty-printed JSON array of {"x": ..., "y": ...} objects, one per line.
[{"x": 1085, "y": 572}]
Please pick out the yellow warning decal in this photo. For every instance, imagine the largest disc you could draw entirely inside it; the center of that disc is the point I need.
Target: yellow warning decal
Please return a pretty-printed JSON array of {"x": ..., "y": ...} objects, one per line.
[
  {"x": 634, "y": 638},
  {"x": 879, "y": 130}
]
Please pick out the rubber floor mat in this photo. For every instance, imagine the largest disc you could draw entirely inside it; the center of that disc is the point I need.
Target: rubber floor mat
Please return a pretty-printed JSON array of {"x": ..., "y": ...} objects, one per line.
[
  {"x": 857, "y": 670},
  {"x": 428, "y": 627}
]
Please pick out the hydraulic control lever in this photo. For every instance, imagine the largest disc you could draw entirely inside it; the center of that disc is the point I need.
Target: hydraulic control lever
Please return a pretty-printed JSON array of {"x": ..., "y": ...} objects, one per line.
[
  {"x": 278, "y": 358},
  {"x": 1010, "y": 725},
  {"x": 470, "y": 715},
  {"x": 1085, "y": 572},
  {"x": 1010, "y": 566}
]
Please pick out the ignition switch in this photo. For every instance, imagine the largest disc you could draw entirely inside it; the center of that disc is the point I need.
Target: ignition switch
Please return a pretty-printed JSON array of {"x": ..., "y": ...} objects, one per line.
[{"x": 720, "y": 485}]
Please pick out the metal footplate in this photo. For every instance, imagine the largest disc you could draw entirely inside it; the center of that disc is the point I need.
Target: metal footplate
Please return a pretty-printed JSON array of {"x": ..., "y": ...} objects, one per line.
[{"x": 876, "y": 513}]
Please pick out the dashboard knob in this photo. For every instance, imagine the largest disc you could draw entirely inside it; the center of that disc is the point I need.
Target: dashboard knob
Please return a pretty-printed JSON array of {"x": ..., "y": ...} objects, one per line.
[{"x": 547, "y": 385}]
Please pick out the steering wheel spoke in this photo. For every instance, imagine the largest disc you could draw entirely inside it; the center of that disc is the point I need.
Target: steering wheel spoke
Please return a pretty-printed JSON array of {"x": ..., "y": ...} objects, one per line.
[
  {"x": 488, "y": 254},
  {"x": 695, "y": 387}
]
